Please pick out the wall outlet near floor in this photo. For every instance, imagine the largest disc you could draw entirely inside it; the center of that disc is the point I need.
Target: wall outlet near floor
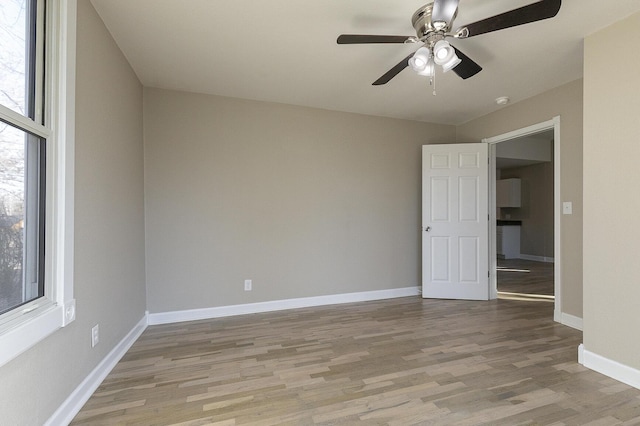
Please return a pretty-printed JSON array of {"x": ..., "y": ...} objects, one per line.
[
  {"x": 247, "y": 285},
  {"x": 95, "y": 335}
]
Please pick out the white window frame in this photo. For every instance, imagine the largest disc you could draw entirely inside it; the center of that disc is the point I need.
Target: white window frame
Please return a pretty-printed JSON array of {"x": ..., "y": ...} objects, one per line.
[{"x": 34, "y": 321}]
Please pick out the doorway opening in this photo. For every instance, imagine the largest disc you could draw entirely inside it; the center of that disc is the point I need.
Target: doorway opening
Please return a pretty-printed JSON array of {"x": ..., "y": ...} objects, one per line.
[
  {"x": 524, "y": 186},
  {"x": 524, "y": 213}
]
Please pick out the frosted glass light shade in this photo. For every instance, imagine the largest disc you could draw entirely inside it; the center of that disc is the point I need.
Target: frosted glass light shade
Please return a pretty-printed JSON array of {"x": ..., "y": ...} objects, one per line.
[
  {"x": 429, "y": 70},
  {"x": 445, "y": 55},
  {"x": 420, "y": 59}
]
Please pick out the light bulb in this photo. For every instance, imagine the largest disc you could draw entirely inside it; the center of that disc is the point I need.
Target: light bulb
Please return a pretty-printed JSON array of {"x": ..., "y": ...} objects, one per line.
[
  {"x": 418, "y": 62},
  {"x": 420, "y": 59},
  {"x": 443, "y": 52}
]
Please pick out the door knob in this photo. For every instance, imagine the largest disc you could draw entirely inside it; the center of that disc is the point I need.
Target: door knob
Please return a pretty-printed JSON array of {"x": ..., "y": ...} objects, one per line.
[{"x": 427, "y": 229}]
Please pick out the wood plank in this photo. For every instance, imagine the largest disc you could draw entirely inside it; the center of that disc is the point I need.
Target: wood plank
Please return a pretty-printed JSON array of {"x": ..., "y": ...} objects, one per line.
[{"x": 397, "y": 362}]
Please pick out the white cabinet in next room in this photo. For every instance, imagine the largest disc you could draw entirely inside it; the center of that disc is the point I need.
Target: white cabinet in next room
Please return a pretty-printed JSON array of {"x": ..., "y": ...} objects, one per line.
[{"x": 508, "y": 241}]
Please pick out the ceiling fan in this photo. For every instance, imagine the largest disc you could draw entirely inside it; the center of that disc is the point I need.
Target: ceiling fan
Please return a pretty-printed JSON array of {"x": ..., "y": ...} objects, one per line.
[{"x": 433, "y": 23}]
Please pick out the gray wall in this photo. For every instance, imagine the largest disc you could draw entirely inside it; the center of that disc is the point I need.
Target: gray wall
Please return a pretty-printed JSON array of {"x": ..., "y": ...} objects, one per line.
[
  {"x": 109, "y": 241},
  {"x": 536, "y": 211},
  {"x": 566, "y": 102},
  {"x": 304, "y": 202},
  {"x": 611, "y": 176}
]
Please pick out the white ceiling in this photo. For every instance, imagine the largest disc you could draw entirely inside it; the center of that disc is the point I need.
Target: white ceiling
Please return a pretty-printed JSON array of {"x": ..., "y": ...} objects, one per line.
[{"x": 285, "y": 51}]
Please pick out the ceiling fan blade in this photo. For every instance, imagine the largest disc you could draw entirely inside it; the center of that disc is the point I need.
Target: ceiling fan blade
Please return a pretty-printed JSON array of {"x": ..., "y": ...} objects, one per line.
[
  {"x": 366, "y": 39},
  {"x": 444, "y": 10},
  {"x": 467, "y": 68},
  {"x": 538, "y": 11},
  {"x": 393, "y": 71}
]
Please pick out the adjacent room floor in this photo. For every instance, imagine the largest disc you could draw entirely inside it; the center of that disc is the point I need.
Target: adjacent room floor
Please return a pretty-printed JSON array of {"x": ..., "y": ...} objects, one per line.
[
  {"x": 397, "y": 362},
  {"x": 525, "y": 277}
]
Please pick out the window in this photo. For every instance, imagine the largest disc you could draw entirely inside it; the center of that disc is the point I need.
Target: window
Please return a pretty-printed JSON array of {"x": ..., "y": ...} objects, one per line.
[
  {"x": 22, "y": 154},
  {"x": 36, "y": 173}
]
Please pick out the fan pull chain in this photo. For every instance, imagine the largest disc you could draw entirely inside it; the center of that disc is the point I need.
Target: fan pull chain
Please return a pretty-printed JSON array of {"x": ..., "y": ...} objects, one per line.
[{"x": 432, "y": 82}]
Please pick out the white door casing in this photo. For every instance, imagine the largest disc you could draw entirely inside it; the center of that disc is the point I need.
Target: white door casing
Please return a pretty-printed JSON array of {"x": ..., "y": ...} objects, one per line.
[
  {"x": 553, "y": 124},
  {"x": 455, "y": 221}
]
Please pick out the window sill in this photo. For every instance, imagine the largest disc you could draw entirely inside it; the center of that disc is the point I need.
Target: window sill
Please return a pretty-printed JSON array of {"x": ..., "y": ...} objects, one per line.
[{"x": 33, "y": 328}]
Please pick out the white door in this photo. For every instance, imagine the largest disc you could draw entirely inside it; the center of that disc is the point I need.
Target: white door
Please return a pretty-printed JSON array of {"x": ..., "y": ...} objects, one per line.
[{"x": 455, "y": 221}]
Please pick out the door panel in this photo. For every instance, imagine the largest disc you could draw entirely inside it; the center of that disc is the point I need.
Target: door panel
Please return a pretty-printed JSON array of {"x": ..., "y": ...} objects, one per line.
[
  {"x": 468, "y": 265},
  {"x": 455, "y": 237},
  {"x": 440, "y": 271},
  {"x": 440, "y": 195},
  {"x": 468, "y": 199}
]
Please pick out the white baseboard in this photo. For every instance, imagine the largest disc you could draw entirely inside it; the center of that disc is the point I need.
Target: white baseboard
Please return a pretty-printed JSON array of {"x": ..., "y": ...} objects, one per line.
[
  {"x": 568, "y": 320},
  {"x": 72, "y": 405},
  {"x": 536, "y": 258},
  {"x": 615, "y": 370},
  {"x": 581, "y": 353},
  {"x": 278, "y": 305}
]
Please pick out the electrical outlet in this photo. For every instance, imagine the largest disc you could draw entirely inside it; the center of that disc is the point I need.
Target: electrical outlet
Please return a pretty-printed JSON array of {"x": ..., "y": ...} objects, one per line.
[
  {"x": 247, "y": 285},
  {"x": 95, "y": 335}
]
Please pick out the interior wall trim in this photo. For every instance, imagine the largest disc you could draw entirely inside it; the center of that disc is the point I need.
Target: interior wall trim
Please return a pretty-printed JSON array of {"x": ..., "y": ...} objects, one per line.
[
  {"x": 568, "y": 320},
  {"x": 608, "y": 367},
  {"x": 76, "y": 400},
  {"x": 278, "y": 305}
]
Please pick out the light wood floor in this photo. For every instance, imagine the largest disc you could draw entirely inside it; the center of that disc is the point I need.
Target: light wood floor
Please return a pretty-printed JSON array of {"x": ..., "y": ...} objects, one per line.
[
  {"x": 395, "y": 362},
  {"x": 525, "y": 276}
]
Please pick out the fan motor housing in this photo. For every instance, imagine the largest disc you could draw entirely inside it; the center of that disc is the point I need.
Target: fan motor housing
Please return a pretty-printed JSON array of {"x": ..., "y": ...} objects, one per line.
[{"x": 421, "y": 21}]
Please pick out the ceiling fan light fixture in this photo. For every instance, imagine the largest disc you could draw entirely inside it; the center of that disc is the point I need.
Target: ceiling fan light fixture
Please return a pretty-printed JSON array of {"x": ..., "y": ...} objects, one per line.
[
  {"x": 434, "y": 21},
  {"x": 429, "y": 70},
  {"x": 445, "y": 55},
  {"x": 420, "y": 60},
  {"x": 454, "y": 62},
  {"x": 443, "y": 52}
]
